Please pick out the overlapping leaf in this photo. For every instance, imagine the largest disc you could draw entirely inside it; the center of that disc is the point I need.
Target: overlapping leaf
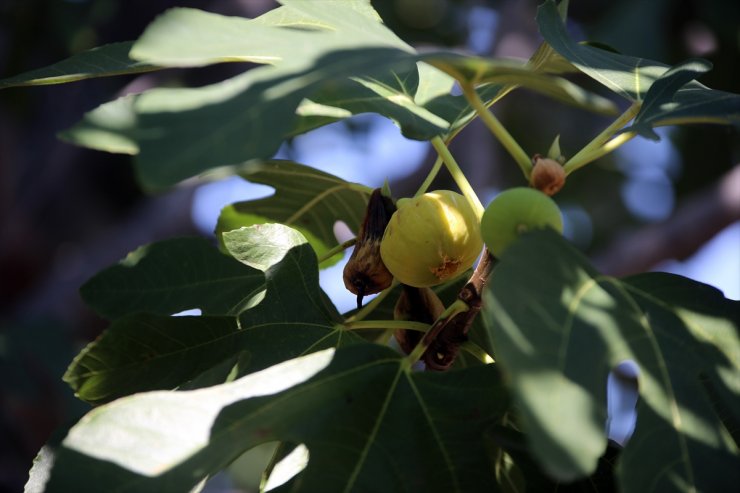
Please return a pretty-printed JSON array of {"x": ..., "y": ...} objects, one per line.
[
  {"x": 306, "y": 199},
  {"x": 674, "y": 100},
  {"x": 510, "y": 73},
  {"x": 172, "y": 276},
  {"x": 103, "y": 61},
  {"x": 368, "y": 422},
  {"x": 145, "y": 352},
  {"x": 327, "y": 68},
  {"x": 184, "y": 37},
  {"x": 627, "y": 76},
  {"x": 558, "y": 328},
  {"x": 183, "y": 132}
]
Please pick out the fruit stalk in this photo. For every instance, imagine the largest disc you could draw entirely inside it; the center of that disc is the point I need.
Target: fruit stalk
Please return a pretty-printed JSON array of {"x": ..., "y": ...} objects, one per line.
[
  {"x": 595, "y": 149},
  {"x": 497, "y": 129},
  {"x": 441, "y": 343},
  {"x": 458, "y": 175}
]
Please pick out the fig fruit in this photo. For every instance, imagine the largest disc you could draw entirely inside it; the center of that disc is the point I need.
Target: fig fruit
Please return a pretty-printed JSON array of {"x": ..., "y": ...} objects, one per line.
[
  {"x": 365, "y": 272},
  {"x": 418, "y": 305},
  {"x": 515, "y": 211},
  {"x": 431, "y": 239}
]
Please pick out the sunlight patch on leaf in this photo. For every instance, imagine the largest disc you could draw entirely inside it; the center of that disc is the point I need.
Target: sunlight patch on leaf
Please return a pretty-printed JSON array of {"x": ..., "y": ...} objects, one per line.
[
  {"x": 194, "y": 412},
  {"x": 546, "y": 304}
]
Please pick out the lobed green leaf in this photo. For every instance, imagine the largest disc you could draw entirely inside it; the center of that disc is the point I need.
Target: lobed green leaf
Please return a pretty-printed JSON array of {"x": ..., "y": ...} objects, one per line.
[
  {"x": 102, "y": 61},
  {"x": 630, "y": 77},
  {"x": 358, "y": 410},
  {"x": 145, "y": 352},
  {"x": 558, "y": 327},
  {"x": 676, "y": 99},
  {"x": 305, "y": 199},
  {"x": 172, "y": 276}
]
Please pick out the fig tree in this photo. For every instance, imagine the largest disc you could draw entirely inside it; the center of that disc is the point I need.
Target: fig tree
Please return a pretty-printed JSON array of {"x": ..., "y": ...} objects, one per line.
[
  {"x": 431, "y": 239},
  {"x": 515, "y": 211}
]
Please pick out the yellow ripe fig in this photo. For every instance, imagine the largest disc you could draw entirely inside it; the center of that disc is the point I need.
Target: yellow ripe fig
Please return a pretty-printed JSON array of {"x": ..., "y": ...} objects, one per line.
[
  {"x": 431, "y": 238},
  {"x": 515, "y": 211}
]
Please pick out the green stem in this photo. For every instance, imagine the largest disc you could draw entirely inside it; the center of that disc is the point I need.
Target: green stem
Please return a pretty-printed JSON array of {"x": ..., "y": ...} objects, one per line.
[
  {"x": 477, "y": 351},
  {"x": 430, "y": 177},
  {"x": 496, "y": 127},
  {"x": 458, "y": 175},
  {"x": 387, "y": 324},
  {"x": 458, "y": 306},
  {"x": 385, "y": 337},
  {"x": 337, "y": 249},
  {"x": 372, "y": 305},
  {"x": 594, "y": 149}
]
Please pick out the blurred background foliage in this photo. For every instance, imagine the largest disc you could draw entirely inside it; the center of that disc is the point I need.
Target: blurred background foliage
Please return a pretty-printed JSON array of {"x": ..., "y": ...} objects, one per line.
[{"x": 67, "y": 212}]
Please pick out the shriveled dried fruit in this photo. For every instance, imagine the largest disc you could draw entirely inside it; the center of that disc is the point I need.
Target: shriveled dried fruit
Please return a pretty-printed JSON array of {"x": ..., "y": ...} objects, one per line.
[
  {"x": 515, "y": 211},
  {"x": 365, "y": 272},
  {"x": 418, "y": 305},
  {"x": 431, "y": 238}
]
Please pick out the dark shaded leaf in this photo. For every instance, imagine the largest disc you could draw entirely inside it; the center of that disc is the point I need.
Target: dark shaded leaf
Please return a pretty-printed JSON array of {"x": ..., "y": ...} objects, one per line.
[
  {"x": 558, "y": 328},
  {"x": 103, "y": 61},
  {"x": 630, "y": 77},
  {"x": 172, "y": 276},
  {"x": 675, "y": 99},
  {"x": 147, "y": 352}
]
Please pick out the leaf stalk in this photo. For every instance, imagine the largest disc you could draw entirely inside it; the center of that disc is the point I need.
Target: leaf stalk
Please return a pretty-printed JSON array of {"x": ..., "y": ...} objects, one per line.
[
  {"x": 497, "y": 129},
  {"x": 601, "y": 145},
  {"x": 458, "y": 175}
]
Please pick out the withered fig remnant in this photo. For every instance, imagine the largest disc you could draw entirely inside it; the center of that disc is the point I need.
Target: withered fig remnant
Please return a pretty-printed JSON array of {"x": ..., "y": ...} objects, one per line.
[{"x": 365, "y": 272}]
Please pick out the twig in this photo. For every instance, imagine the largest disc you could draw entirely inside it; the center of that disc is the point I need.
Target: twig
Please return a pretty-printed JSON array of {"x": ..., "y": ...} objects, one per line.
[{"x": 695, "y": 221}]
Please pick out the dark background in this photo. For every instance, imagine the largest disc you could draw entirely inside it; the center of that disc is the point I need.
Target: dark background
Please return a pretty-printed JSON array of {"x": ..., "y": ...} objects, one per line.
[{"x": 67, "y": 212}]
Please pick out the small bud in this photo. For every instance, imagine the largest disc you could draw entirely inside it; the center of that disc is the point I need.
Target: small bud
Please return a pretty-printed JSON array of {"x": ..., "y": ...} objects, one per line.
[
  {"x": 418, "y": 305},
  {"x": 548, "y": 175},
  {"x": 365, "y": 272}
]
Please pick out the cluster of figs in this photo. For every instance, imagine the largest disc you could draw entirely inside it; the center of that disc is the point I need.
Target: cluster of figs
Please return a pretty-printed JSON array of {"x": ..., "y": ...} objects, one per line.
[{"x": 433, "y": 238}]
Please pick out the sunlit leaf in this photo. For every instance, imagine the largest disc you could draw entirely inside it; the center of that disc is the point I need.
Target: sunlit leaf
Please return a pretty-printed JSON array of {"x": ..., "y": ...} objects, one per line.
[
  {"x": 365, "y": 417},
  {"x": 306, "y": 199},
  {"x": 185, "y": 37},
  {"x": 558, "y": 328},
  {"x": 294, "y": 33},
  {"x": 146, "y": 352},
  {"x": 111, "y": 127},
  {"x": 181, "y": 132}
]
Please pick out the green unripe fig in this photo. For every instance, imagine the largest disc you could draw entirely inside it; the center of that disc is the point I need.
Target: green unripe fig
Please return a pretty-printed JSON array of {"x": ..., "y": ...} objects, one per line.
[
  {"x": 515, "y": 211},
  {"x": 431, "y": 238}
]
